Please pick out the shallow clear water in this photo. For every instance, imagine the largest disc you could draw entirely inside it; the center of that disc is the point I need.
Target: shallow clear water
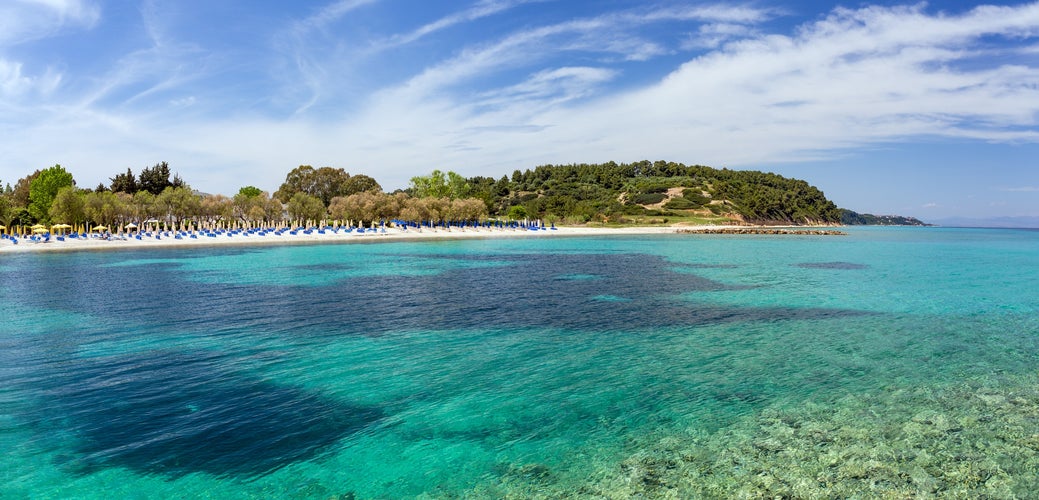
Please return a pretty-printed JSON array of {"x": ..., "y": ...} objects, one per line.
[{"x": 487, "y": 368}]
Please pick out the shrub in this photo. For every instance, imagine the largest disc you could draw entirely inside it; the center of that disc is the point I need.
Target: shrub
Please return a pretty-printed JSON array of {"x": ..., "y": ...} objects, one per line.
[
  {"x": 681, "y": 204},
  {"x": 695, "y": 196},
  {"x": 648, "y": 198}
]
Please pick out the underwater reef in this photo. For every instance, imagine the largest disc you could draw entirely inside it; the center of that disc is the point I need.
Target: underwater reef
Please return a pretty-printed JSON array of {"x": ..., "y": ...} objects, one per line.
[{"x": 972, "y": 439}]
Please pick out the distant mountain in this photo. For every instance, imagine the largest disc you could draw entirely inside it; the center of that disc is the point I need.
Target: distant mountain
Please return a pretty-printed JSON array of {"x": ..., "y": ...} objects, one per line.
[
  {"x": 850, "y": 218},
  {"x": 1001, "y": 222}
]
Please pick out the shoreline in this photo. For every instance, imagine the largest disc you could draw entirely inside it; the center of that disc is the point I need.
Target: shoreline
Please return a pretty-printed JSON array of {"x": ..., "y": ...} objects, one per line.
[{"x": 392, "y": 234}]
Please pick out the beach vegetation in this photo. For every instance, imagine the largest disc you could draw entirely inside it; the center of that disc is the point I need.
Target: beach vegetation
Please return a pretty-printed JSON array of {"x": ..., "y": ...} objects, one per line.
[
  {"x": 250, "y": 191},
  {"x": 680, "y": 203},
  {"x": 6, "y": 205},
  {"x": 177, "y": 203},
  {"x": 648, "y": 198},
  {"x": 124, "y": 183},
  {"x": 438, "y": 184},
  {"x": 68, "y": 206},
  {"x": 142, "y": 206},
  {"x": 44, "y": 188},
  {"x": 105, "y": 207},
  {"x": 20, "y": 193},
  {"x": 156, "y": 179},
  {"x": 304, "y": 207},
  {"x": 517, "y": 212},
  {"x": 250, "y": 205},
  {"x": 216, "y": 207},
  {"x": 361, "y": 183},
  {"x": 322, "y": 183},
  {"x": 606, "y": 193}
]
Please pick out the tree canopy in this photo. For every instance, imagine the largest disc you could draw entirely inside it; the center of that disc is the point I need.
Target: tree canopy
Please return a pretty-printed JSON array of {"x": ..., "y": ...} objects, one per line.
[
  {"x": 322, "y": 183},
  {"x": 575, "y": 192},
  {"x": 156, "y": 179},
  {"x": 44, "y": 188}
]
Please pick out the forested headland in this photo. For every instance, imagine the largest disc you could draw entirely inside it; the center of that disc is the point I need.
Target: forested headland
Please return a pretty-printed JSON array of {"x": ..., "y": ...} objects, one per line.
[{"x": 608, "y": 193}]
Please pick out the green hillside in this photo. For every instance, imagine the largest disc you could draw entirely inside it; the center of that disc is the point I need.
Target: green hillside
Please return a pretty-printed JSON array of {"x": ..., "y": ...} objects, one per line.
[{"x": 616, "y": 192}]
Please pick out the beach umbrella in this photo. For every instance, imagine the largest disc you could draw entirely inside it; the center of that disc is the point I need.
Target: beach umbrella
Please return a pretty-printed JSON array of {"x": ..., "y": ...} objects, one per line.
[
  {"x": 100, "y": 228},
  {"x": 131, "y": 226}
]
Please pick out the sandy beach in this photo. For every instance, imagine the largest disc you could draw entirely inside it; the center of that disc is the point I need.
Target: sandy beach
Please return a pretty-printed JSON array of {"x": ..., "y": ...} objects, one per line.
[{"x": 168, "y": 240}]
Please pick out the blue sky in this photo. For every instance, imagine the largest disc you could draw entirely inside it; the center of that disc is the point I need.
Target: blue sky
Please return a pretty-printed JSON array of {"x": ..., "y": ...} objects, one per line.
[{"x": 908, "y": 108}]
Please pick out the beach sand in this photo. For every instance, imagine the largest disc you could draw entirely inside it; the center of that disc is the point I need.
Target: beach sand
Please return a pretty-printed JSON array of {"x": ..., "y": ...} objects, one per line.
[{"x": 390, "y": 234}]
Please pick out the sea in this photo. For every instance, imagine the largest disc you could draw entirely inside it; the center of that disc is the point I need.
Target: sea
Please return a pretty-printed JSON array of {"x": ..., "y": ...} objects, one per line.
[{"x": 897, "y": 362}]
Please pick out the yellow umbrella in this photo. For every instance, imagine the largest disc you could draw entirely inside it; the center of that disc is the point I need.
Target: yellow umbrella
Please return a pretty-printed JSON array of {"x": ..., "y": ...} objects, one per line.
[
  {"x": 38, "y": 226},
  {"x": 40, "y": 230},
  {"x": 100, "y": 228}
]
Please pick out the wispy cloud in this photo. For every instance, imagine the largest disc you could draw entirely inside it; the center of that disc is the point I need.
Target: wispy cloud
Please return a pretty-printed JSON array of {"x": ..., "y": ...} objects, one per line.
[
  {"x": 480, "y": 10},
  {"x": 304, "y": 40},
  {"x": 611, "y": 35},
  {"x": 563, "y": 89},
  {"x": 1021, "y": 189},
  {"x": 25, "y": 20}
]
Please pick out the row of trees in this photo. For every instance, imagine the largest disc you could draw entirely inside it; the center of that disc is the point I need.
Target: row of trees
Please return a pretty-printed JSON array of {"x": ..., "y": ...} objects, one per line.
[
  {"x": 51, "y": 196},
  {"x": 577, "y": 192}
]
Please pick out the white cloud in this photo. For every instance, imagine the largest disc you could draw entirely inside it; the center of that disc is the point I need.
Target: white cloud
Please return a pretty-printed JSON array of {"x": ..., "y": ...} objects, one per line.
[
  {"x": 13, "y": 83},
  {"x": 480, "y": 10},
  {"x": 852, "y": 78},
  {"x": 25, "y": 20}
]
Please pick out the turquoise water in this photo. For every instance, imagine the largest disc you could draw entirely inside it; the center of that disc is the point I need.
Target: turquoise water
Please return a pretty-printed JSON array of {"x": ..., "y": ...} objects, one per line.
[{"x": 898, "y": 361}]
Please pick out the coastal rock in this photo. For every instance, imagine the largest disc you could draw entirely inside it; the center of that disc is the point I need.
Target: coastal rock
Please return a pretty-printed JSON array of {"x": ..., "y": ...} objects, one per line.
[{"x": 763, "y": 230}]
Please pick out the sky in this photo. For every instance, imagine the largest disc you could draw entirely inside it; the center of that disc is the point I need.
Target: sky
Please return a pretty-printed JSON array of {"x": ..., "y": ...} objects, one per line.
[{"x": 917, "y": 109}]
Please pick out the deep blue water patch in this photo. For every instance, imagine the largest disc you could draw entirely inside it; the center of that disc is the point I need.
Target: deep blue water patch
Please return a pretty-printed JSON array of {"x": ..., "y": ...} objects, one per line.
[
  {"x": 523, "y": 292},
  {"x": 844, "y": 266},
  {"x": 176, "y": 413}
]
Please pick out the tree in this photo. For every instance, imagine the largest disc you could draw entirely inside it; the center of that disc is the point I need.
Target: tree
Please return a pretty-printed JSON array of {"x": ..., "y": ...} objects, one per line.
[
  {"x": 124, "y": 183},
  {"x": 458, "y": 186},
  {"x": 323, "y": 183},
  {"x": 6, "y": 208},
  {"x": 359, "y": 184},
  {"x": 298, "y": 180},
  {"x": 250, "y": 191},
  {"x": 433, "y": 185},
  {"x": 178, "y": 203},
  {"x": 106, "y": 207},
  {"x": 517, "y": 212},
  {"x": 68, "y": 206},
  {"x": 44, "y": 188},
  {"x": 20, "y": 193},
  {"x": 272, "y": 208},
  {"x": 154, "y": 180},
  {"x": 216, "y": 207},
  {"x": 249, "y": 206},
  {"x": 469, "y": 209},
  {"x": 143, "y": 205},
  {"x": 305, "y": 207}
]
